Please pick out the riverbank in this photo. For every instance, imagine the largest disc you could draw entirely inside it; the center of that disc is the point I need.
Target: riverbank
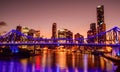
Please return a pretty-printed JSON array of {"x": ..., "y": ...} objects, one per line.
[
  {"x": 112, "y": 58},
  {"x": 6, "y": 52}
]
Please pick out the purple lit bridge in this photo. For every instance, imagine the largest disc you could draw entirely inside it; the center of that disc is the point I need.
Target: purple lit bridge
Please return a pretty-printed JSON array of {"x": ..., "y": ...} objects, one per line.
[{"x": 16, "y": 38}]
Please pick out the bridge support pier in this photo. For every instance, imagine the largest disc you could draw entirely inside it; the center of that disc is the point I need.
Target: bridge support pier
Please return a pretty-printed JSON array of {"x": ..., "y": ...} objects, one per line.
[
  {"x": 116, "y": 51},
  {"x": 34, "y": 49},
  {"x": 14, "y": 49}
]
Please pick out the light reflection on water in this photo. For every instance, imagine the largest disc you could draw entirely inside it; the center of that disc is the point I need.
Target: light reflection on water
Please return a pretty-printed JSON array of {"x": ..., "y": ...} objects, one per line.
[{"x": 52, "y": 61}]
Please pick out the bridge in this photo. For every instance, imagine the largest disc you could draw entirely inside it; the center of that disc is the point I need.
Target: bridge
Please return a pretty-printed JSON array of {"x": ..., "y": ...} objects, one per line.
[{"x": 16, "y": 38}]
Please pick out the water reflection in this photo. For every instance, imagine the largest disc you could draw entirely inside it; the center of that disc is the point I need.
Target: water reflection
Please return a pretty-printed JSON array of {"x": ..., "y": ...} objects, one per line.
[
  {"x": 61, "y": 61},
  {"x": 57, "y": 61}
]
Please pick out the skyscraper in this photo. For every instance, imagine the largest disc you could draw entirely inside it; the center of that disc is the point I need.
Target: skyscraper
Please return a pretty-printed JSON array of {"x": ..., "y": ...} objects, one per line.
[
  {"x": 54, "y": 30},
  {"x": 16, "y": 36},
  {"x": 93, "y": 27},
  {"x": 79, "y": 38},
  {"x": 31, "y": 32},
  {"x": 101, "y": 26},
  {"x": 25, "y": 30},
  {"x": 92, "y": 32},
  {"x": 65, "y": 33},
  {"x": 89, "y": 34}
]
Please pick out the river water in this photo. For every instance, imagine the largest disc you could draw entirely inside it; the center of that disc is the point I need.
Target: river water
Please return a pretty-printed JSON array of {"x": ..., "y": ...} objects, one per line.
[{"x": 58, "y": 61}]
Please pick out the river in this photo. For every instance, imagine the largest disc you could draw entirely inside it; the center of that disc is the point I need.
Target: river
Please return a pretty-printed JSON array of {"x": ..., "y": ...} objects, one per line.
[{"x": 58, "y": 61}]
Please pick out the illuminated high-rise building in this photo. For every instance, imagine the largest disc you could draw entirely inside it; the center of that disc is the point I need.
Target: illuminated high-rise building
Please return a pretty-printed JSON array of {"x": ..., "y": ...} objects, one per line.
[
  {"x": 93, "y": 27},
  {"x": 101, "y": 26},
  {"x": 92, "y": 32},
  {"x": 16, "y": 36},
  {"x": 54, "y": 30},
  {"x": 25, "y": 30},
  {"x": 62, "y": 33},
  {"x": 89, "y": 34},
  {"x": 79, "y": 38},
  {"x": 31, "y": 32},
  {"x": 65, "y": 33},
  {"x": 37, "y": 33}
]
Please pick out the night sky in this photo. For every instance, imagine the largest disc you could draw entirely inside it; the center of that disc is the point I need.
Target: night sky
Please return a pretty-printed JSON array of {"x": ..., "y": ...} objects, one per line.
[{"x": 75, "y": 15}]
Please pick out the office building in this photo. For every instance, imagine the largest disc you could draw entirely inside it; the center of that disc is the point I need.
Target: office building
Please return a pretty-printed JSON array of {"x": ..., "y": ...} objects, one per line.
[
  {"x": 93, "y": 27},
  {"x": 16, "y": 36},
  {"x": 90, "y": 33},
  {"x": 79, "y": 38},
  {"x": 25, "y": 30},
  {"x": 65, "y": 33},
  {"x": 101, "y": 26},
  {"x": 54, "y": 30},
  {"x": 37, "y": 33},
  {"x": 31, "y": 32}
]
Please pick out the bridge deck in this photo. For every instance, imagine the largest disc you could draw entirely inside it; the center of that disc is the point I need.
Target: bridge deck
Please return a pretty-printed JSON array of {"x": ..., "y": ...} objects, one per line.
[{"x": 58, "y": 44}]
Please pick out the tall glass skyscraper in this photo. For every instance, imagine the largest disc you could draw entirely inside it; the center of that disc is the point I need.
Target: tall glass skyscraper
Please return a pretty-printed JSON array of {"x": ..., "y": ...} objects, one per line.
[
  {"x": 54, "y": 30},
  {"x": 101, "y": 26}
]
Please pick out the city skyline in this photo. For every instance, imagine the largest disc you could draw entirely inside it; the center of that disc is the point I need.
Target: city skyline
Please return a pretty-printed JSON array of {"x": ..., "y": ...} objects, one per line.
[{"x": 73, "y": 15}]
